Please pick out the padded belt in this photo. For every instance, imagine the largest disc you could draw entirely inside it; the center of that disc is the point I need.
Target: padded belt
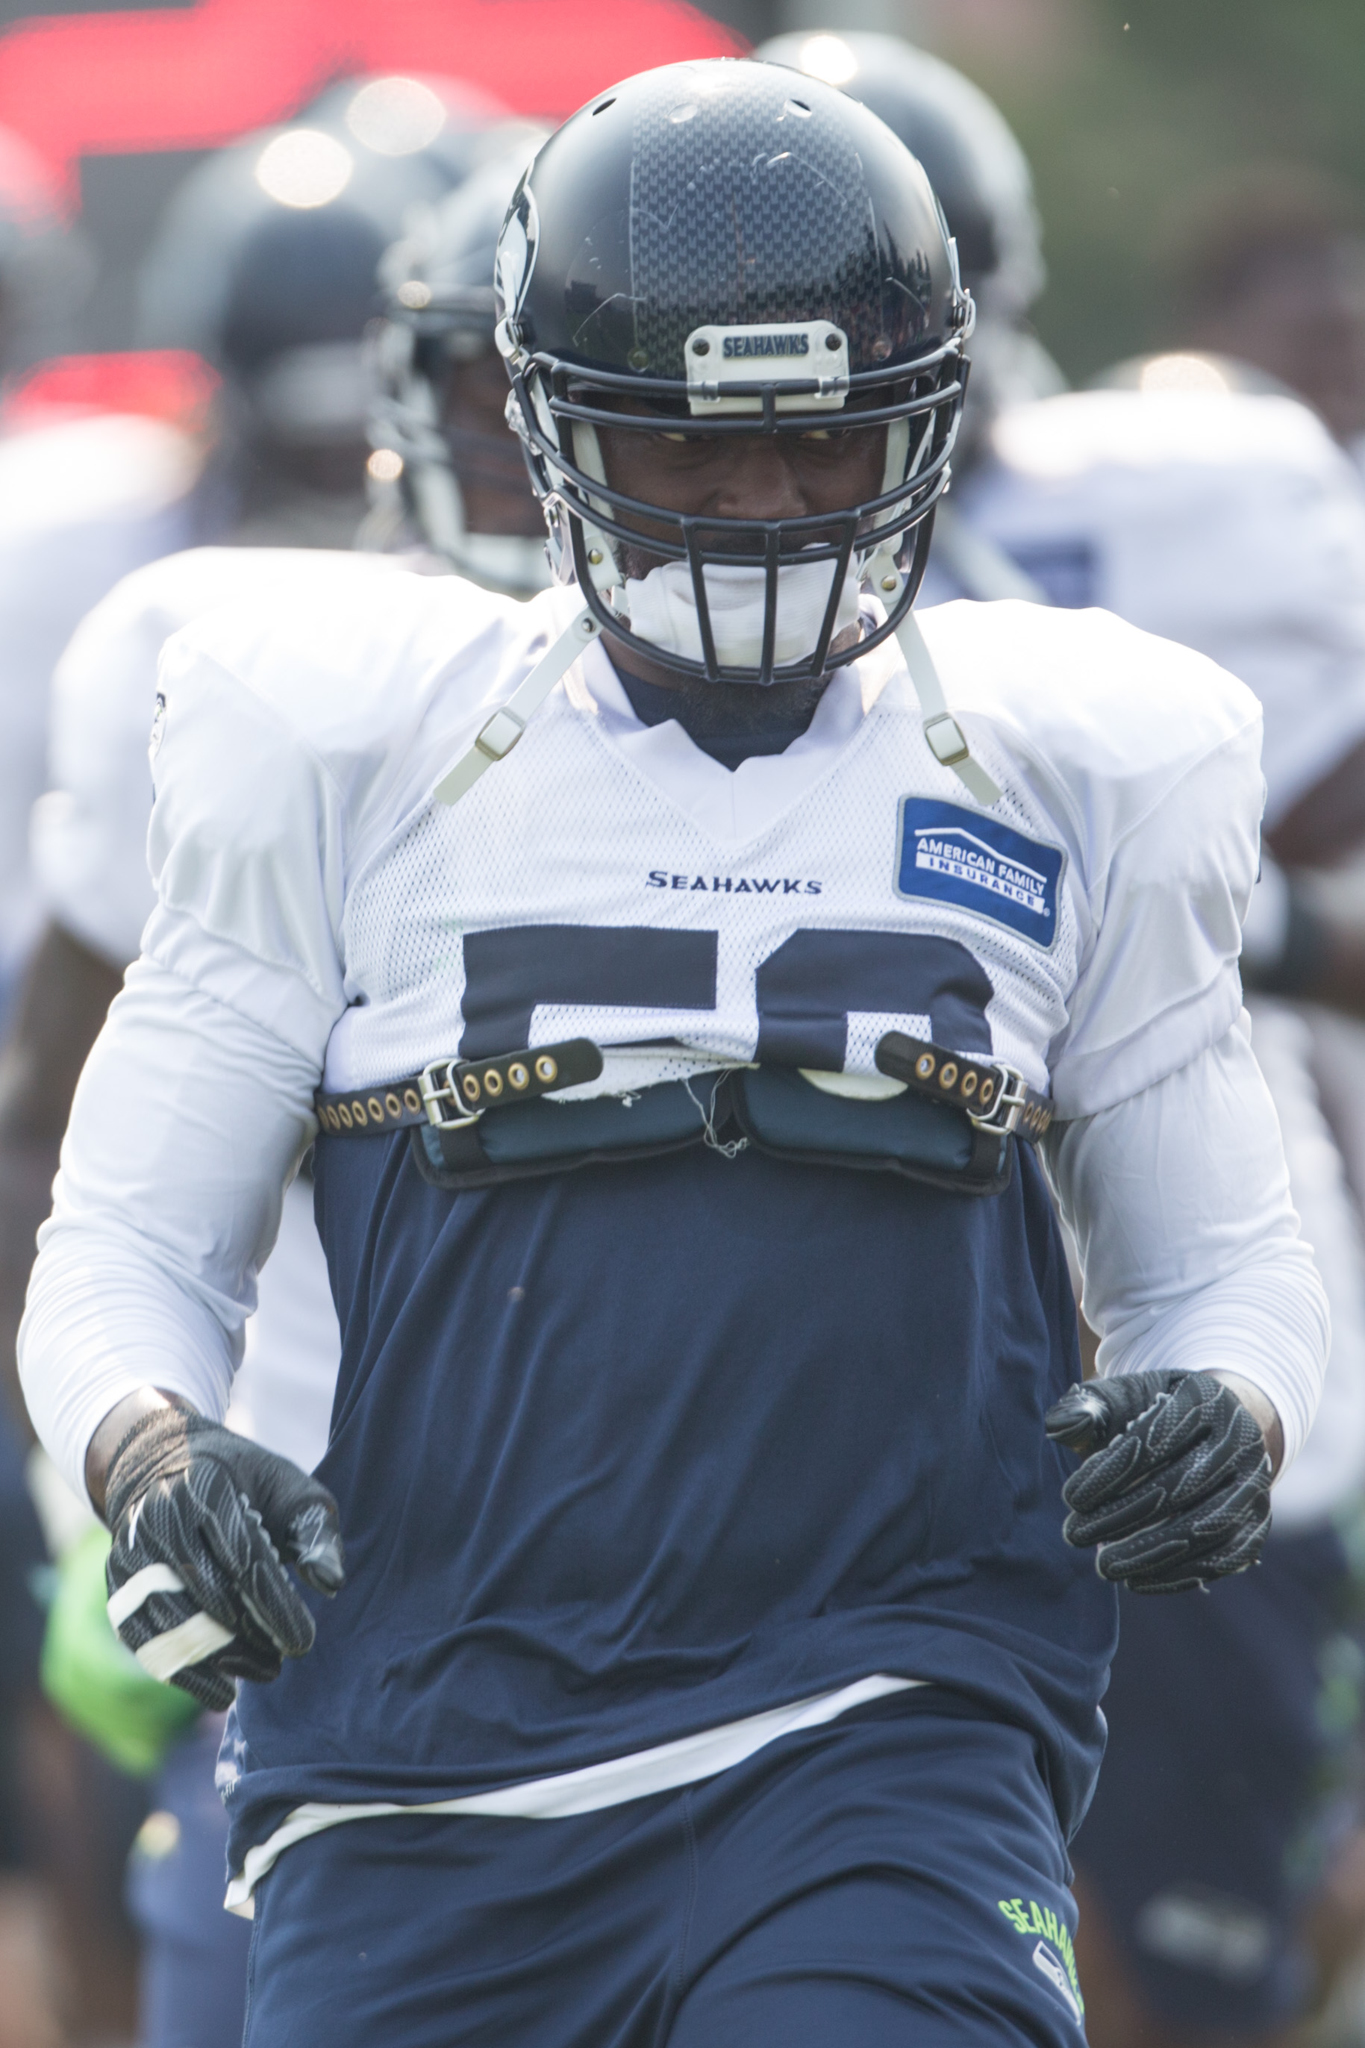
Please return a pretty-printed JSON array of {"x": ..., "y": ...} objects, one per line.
[
  {"x": 476, "y": 1123},
  {"x": 450, "y": 1093},
  {"x": 993, "y": 1095}
]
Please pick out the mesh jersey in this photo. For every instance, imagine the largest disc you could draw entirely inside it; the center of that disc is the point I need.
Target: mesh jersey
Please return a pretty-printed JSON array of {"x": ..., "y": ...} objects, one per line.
[
  {"x": 648, "y": 1448},
  {"x": 1232, "y": 523},
  {"x": 611, "y": 880}
]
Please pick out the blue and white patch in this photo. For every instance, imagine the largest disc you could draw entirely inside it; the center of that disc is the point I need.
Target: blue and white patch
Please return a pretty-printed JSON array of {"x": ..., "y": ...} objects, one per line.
[{"x": 952, "y": 855}]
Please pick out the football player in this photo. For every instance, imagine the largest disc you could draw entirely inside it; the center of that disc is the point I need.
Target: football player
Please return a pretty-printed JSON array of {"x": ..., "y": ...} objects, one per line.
[{"x": 707, "y": 1660}]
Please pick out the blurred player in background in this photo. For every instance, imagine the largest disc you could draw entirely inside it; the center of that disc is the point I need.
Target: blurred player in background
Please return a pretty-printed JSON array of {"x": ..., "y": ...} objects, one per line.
[
  {"x": 83, "y": 499},
  {"x": 1249, "y": 254},
  {"x": 90, "y": 858},
  {"x": 1171, "y": 504},
  {"x": 1226, "y": 518},
  {"x": 447, "y": 475},
  {"x": 264, "y": 266}
]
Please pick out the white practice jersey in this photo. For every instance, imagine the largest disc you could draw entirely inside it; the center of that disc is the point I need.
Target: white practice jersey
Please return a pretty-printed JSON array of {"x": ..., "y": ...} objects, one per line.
[
  {"x": 90, "y": 860},
  {"x": 81, "y": 503},
  {"x": 630, "y": 1456},
  {"x": 1233, "y": 523},
  {"x": 1229, "y": 522}
]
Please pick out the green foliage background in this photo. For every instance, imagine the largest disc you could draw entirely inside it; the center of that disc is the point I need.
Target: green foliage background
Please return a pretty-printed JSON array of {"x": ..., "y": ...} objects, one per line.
[{"x": 1121, "y": 124}]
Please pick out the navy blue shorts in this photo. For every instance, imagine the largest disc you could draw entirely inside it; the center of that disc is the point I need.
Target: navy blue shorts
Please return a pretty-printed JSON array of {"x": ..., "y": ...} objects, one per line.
[
  {"x": 1222, "y": 1788},
  {"x": 896, "y": 1877}
]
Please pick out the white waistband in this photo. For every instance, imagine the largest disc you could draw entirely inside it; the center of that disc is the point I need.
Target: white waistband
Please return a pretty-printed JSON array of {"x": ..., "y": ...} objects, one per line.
[{"x": 647, "y": 1771}]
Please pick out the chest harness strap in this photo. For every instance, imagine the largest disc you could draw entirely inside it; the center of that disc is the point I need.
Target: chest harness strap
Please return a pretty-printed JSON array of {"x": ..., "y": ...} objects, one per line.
[
  {"x": 475, "y": 1123},
  {"x": 945, "y": 738}
]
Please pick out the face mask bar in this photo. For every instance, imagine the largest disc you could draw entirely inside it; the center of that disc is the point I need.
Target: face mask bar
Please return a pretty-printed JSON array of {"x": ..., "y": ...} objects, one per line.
[{"x": 554, "y": 420}]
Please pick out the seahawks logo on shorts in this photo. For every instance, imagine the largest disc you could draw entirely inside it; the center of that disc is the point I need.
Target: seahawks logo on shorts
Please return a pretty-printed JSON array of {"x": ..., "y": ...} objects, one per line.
[
  {"x": 952, "y": 855},
  {"x": 1052, "y": 1968},
  {"x": 1053, "y": 1954}
]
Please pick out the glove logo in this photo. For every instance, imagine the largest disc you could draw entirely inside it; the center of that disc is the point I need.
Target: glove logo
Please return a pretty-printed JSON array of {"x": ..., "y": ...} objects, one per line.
[{"x": 948, "y": 854}]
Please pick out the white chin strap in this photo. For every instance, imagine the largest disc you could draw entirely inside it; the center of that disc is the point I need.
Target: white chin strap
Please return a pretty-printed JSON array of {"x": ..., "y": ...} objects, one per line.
[{"x": 662, "y": 609}]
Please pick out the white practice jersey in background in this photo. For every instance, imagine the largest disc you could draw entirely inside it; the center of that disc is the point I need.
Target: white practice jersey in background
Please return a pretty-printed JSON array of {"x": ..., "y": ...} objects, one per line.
[
  {"x": 90, "y": 860},
  {"x": 1230, "y": 522},
  {"x": 1233, "y": 523},
  {"x": 82, "y": 502}
]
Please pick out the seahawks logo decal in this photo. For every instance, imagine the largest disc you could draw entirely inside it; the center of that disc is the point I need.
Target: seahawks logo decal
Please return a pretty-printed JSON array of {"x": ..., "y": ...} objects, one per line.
[{"x": 517, "y": 251}]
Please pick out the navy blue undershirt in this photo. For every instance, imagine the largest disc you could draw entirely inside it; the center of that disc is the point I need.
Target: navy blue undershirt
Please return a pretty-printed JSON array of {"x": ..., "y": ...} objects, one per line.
[{"x": 654, "y": 705}]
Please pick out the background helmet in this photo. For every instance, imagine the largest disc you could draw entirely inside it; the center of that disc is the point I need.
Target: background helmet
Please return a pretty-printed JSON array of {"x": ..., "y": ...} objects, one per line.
[
  {"x": 981, "y": 178},
  {"x": 264, "y": 263},
  {"x": 968, "y": 151},
  {"x": 438, "y": 317},
  {"x": 737, "y": 252},
  {"x": 446, "y": 122}
]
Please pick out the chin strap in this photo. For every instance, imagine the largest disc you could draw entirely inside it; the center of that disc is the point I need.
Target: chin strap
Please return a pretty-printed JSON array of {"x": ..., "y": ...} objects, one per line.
[
  {"x": 947, "y": 741},
  {"x": 498, "y": 737}
]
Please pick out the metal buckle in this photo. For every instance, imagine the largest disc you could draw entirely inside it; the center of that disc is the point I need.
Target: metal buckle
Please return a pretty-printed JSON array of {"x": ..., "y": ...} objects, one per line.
[
  {"x": 437, "y": 1088},
  {"x": 1011, "y": 1107},
  {"x": 500, "y": 734},
  {"x": 956, "y": 746}
]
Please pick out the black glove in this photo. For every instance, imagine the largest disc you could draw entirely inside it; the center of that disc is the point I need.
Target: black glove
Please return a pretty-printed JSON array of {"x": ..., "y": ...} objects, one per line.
[
  {"x": 1175, "y": 1483},
  {"x": 201, "y": 1518}
]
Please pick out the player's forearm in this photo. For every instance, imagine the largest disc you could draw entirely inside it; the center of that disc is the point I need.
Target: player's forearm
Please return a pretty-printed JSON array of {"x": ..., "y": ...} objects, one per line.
[
  {"x": 1189, "y": 1242},
  {"x": 103, "y": 1327}
]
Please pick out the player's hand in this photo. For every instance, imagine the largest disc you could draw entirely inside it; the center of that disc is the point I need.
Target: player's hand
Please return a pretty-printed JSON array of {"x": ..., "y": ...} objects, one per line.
[
  {"x": 203, "y": 1522},
  {"x": 1174, "y": 1486}
]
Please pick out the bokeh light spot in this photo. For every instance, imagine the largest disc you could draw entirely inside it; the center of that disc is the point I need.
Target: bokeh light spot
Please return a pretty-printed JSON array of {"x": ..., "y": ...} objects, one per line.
[
  {"x": 828, "y": 57},
  {"x": 1181, "y": 373},
  {"x": 304, "y": 167},
  {"x": 396, "y": 116}
]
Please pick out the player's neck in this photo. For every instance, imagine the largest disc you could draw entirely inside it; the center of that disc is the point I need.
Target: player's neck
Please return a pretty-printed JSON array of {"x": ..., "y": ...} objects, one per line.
[{"x": 719, "y": 710}]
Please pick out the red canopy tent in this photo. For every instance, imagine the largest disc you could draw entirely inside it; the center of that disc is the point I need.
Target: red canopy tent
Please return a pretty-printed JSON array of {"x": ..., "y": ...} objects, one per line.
[{"x": 147, "y": 80}]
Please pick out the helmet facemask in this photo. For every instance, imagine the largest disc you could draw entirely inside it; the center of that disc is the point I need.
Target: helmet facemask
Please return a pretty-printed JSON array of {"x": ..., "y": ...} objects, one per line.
[
  {"x": 641, "y": 565},
  {"x": 445, "y": 464},
  {"x": 706, "y": 254}
]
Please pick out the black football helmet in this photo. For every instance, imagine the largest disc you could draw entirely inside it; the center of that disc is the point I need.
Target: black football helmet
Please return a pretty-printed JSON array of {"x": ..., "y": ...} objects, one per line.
[
  {"x": 438, "y": 320},
  {"x": 981, "y": 177},
  {"x": 733, "y": 250}
]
